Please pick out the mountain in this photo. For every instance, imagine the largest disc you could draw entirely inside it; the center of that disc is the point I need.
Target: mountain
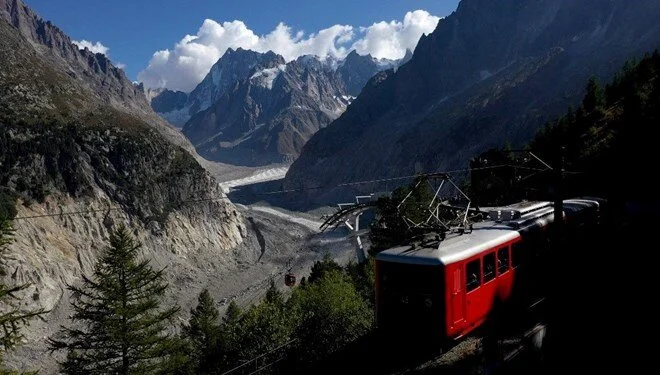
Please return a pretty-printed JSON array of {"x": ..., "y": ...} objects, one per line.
[
  {"x": 76, "y": 136},
  {"x": 269, "y": 116},
  {"x": 233, "y": 67},
  {"x": 492, "y": 72},
  {"x": 247, "y": 78},
  {"x": 270, "y": 113},
  {"x": 356, "y": 70}
]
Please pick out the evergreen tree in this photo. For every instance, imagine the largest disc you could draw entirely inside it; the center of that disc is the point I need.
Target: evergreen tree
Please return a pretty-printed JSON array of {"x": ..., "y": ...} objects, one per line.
[
  {"x": 12, "y": 318},
  {"x": 323, "y": 267},
  {"x": 262, "y": 328},
  {"x": 330, "y": 313},
  {"x": 595, "y": 97},
  {"x": 232, "y": 315},
  {"x": 273, "y": 295},
  {"x": 203, "y": 334},
  {"x": 230, "y": 337},
  {"x": 118, "y": 325}
]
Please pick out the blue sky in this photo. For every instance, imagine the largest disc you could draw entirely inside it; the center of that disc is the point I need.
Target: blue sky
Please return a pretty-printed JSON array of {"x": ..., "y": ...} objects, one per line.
[{"x": 134, "y": 29}]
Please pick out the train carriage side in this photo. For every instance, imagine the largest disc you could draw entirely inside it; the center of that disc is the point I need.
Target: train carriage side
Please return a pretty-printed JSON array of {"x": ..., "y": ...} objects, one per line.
[
  {"x": 476, "y": 283},
  {"x": 442, "y": 291},
  {"x": 448, "y": 290}
]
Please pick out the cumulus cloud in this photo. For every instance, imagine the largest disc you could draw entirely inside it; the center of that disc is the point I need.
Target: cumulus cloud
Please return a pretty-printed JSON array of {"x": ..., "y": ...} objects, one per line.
[
  {"x": 97, "y": 47},
  {"x": 120, "y": 65},
  {"x": 391, "y": 39},
  {"x": 185, "y": 65}
]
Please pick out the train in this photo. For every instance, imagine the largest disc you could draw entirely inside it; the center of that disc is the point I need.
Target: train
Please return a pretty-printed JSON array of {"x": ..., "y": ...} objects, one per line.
[{"x": 447, "y": 287}]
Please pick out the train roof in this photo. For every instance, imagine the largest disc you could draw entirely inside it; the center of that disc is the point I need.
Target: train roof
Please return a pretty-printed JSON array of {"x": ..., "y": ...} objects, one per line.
[{"x": 485, "y": 235}]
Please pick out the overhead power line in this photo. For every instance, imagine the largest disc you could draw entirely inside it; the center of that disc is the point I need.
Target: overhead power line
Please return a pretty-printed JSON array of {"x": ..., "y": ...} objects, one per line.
[{"x": 284, "y": 191}]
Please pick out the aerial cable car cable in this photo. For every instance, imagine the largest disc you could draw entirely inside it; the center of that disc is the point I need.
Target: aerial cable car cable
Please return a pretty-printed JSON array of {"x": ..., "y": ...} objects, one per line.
[{"x": 285, "y": 191}]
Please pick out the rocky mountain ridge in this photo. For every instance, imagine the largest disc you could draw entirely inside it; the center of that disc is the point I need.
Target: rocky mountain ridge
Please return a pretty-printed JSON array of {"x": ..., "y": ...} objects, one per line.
[
  {"x": 268, "y": 117},
  {"x": 492, "y": 72},
  {"x": 254, "y": 109}
]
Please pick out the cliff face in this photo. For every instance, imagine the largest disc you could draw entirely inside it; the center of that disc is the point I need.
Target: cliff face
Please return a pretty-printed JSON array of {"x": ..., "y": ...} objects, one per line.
[
  {"x": 77, "y": 136},
  {"x": 93, "y": 71},
  {"x": 492, "y": 72},
  {"x": 268, "y": 117}
]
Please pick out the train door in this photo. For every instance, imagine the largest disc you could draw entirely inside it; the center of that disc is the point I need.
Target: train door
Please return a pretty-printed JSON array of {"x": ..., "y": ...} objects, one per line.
[
  {"x": 504, "y": 274},
  {"x": 457, "y": 297},
  {"x": 473, "y": 298}
]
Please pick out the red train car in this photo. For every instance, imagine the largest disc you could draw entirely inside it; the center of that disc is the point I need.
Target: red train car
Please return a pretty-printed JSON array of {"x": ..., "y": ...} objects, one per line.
[{"x": 448, "y": 288}]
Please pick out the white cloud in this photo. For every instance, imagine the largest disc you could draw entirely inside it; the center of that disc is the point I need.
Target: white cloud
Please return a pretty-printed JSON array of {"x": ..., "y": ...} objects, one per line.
[
  {"x": 97, "y": 47},
  {"x": 185, "y": 65},
  {"x": 120, "y": 65},
  {"x": 390, "y": 40}
]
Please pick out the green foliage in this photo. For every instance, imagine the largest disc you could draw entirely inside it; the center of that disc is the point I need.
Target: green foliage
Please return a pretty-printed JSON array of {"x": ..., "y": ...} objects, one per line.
[
  {"x": 203, "y": 334},
  {"x": 363, "y": 277},
  {"x": 330, "y": 313},
  {"x": 612, "y": 145},
  {"x": 7, "y": 204},
  {"x": 232, "y": 315},
  {"x": 323, "y": 267},
  {"x": 321, "y": 317},
  {"x": 496, "y": 186},
  {"x": 134, "y": 165},
  {"x": 595, "y": 96},
  {"x": 118, "y": 325},
  {"x": 390, "y": 229},
  {"x": 274, "y": 295},
  {"x": 12, "y": 317},
  {"x": 609, "y": 139},
  {"x": 262, "y": 328}
]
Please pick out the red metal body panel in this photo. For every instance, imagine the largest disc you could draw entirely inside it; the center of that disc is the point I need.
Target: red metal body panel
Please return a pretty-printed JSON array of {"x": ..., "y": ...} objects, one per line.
[{"x": 466, "y": 310}]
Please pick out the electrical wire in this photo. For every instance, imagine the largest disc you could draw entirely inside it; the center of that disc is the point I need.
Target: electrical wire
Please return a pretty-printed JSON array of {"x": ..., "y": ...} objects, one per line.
[{"x": 284, "y": 191}]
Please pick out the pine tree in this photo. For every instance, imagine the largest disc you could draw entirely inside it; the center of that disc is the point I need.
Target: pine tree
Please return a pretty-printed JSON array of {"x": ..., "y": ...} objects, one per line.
[
  {"x": 203, "y": 334},
  {"x": 273, "y": 295},
  {"x": 232, "y": 315},
  {"x": 322, "y": 267},
  {"x": 595, "y": 97},
  {"x": 118, "y": 325},
  {"x": 12, "y": 318}
]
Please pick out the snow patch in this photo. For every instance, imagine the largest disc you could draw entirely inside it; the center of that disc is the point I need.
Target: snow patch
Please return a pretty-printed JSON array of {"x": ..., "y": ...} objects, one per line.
[
  {"x": 344, "y": 100},
  {"x": 266, "y": 77},
  {"x": 311, "y": 224},
  {"x": 259, "y": 176},
  {"x": 178, "y": 117},
  {"x": 385, "y": 64}
]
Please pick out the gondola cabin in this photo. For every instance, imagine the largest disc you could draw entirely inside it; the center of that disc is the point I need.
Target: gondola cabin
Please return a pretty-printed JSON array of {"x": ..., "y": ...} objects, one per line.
[{"x": 447, "y": 288}]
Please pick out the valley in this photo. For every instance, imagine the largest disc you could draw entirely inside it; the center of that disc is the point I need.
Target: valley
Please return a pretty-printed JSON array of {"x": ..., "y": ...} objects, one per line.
[
  {"x": 161, "y": 207},
  {"x": 275, "y": 242}
]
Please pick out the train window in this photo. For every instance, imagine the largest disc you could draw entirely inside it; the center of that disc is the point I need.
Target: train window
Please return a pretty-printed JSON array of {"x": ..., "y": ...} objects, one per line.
[
  {"x": 503, "y": 260},
  {"x": 473, "y": 275},
  {"x": 516, "y": 254},
  {"x": 489, "y": 267}
]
